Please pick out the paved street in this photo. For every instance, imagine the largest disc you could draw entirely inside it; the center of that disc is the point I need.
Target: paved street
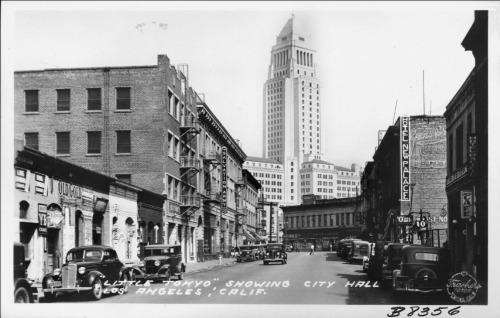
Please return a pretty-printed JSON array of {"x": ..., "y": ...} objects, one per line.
[{"x": 319, "y": 279}]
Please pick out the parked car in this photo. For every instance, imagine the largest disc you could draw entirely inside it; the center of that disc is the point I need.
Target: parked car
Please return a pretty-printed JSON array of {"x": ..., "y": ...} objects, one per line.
[
  {"x": 275, "y": 252},
  {"x": 359, "y": 250},
  {"x": 90, "y": 270},
  {"x": 424, "y": 269},
  {"x": 261, "y": 251},
  {"x": 23, "y": 292},
  {"x": 393, "y": 257},
  {"x": 247, "y": 253},
  {"x": 235, "y": 251},
  {"x": 160, "y": 263},
  {"x": 344, "y": 248}
]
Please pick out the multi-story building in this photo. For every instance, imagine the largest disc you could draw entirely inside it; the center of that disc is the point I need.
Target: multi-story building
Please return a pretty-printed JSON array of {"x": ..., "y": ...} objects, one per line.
[
  {"x": 292, "y": 114},
  {"x": 467, "y": 150},
  {"x": 322, "y": 222},
  {"x": 250, "y": 194},
  {"x": 138, "y": 124},
  {"x": 221, "y": 183},
  {"x": 271, "y": 175},
  {"x": 406, "y": 182},
  {"x": 324, "y": 179}
]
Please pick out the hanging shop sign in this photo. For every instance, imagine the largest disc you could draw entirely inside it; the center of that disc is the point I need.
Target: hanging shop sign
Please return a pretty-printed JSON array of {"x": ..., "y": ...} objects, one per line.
[
  {"x": 472, "y": 153},
  {"x": 55, "y": 218},
  {"x": 404, "y": 137},
  {"x": 224, "y": 181},
  {"x": 42, "y": 219},
  {"x": 404, "y": 219},
  {"x": 466, "y": 204}
]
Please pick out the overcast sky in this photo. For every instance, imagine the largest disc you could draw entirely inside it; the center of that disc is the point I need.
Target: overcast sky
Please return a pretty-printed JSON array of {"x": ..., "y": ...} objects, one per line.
[{"x": 368, "y": 57}]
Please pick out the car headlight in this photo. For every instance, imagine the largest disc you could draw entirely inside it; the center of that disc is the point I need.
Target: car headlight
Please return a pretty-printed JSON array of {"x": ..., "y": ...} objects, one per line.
[
  {"x": 57, "y": 272},
  {"x": 157, "y": 263},
  {"x": 267, "y": 253},
  {"x": 81, "y": 270},
  {"x": 141, "y": 264}
]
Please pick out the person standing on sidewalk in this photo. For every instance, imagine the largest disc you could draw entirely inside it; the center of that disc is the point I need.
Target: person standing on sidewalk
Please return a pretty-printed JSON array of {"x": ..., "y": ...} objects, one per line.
[{"x": 312, "y": 250}]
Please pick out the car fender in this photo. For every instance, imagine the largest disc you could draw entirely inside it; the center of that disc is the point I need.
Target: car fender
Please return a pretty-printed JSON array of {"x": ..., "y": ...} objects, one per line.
[
  {"x": 126, "y": 270},
  {"x": 136, "y": 270},
  {"x": 91, "y": 277},
  {"x": 46, "y": 278},
  {"x": 23, "y": 282}
]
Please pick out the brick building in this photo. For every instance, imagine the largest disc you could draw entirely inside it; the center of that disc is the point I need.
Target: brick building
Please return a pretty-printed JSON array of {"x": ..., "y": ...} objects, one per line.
[
  {"x": 467, "y": 149},
  {"x": 138, "y": 124},
  {"x": 406, "y": 182}
]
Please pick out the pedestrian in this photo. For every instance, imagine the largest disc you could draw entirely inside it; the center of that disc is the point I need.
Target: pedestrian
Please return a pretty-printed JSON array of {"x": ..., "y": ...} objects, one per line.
[
  {"x": 312, "y": 250},
  {"x": 331, "y": 247}
]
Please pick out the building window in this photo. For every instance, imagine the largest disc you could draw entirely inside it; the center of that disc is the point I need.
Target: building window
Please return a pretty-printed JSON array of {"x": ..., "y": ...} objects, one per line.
[
  {"x": 63, "y": 143},
  {"x": 31, "y": 140},
  {"x": 31, "y": 101},
  {"x": 93, "y": 142},
  {"x": 460, "y": 144},
  {"x": 93, "y": 99},
  {"x": 63, "y": 98},
  {"x": 450, "y": 153},
  {"x": 124, "y": 177},
  {"x": 123, "y": 141},
  {"x": 123, "y": 98}
]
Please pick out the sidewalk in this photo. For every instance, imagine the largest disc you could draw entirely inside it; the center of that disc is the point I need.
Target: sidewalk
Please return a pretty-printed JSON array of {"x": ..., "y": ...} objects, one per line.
[{"x": 207, "y": 265}]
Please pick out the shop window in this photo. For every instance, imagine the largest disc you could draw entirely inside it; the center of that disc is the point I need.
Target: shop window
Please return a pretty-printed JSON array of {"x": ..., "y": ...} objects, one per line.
[
  {"x": 97, "y": 228},
  {"x": 94, "y": 99},
  {"x": 63, "y": 100},
  {"x": 123, "y": 98},
  {"x": 31, "y": 101},
  {"x": 123, "y": 142}
]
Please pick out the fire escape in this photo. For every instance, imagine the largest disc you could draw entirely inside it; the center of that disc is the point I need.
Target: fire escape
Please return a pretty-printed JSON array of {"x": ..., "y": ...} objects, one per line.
[
  {"x": 189, "y": 166},
  {"x": 241, "y": 210},
  {"x": 212, "y": 194}
]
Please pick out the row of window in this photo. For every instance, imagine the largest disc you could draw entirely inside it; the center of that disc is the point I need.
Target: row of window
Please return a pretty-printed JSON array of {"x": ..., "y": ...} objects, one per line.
[
  {"x": 94, "y": 142},
  {"x": 321, "y": 220},
  {"x": 63, "y": 99}
]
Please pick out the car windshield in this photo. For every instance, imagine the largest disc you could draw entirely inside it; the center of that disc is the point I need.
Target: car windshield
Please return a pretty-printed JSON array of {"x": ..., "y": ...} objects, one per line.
[
  {"x": 246, "y": 248},
  {"x": 161, "y": 251},
  {"x": 84, "y": 256}
]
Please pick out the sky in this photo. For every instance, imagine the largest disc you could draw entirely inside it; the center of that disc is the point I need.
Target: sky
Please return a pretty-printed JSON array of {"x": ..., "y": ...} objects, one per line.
[{"x": 371, "y": 59}]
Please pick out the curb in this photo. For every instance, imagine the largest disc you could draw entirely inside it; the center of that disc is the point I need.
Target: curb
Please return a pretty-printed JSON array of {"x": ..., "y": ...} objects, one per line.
[{"x": 209, "y": 268}]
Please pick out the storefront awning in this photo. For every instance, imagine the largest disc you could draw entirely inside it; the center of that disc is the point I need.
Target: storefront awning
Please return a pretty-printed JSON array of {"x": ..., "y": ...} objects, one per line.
[
  {"x": 248, "y": 235},
  {"x": 257, "y": 236}
]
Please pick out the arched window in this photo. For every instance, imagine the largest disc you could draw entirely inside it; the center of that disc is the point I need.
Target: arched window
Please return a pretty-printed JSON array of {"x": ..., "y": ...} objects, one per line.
[
  {"x": 23, "y": 209},
  {"x": 97, "y": 228},
  {"x": 129, "y": 224}
]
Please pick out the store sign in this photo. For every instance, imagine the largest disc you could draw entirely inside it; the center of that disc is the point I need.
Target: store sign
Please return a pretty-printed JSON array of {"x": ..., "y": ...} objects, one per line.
[
  {"x": 405, "y": 158},
  {"x": 224, "y": 181},
  {"x": 404, "y": 219},
  {"x": 457, "y": 175},
  {"x": 466, "y": 204},
  {"x": 472, "y": 153},
  {"x": 42, "y": 219},
  {"x": 70, "y": 190}
]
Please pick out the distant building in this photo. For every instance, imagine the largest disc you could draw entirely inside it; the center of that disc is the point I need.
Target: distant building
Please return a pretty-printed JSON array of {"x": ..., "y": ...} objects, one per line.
[
  {"x": 327, "y": 181},
  {"x": 322, "y": 222}
]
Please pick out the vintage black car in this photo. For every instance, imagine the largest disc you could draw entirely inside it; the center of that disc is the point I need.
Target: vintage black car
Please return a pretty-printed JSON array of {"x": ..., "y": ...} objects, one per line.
[
  {"x": 344, "y": 248},
  {"x": 23, "y": 292},
  {"x": 247, "y": 253},
  {"x": 424, "y": 269},
  {"x": 92, "y": 270},
  {"x": 275, "y": 252},
  {"x": 394, "y": 255},
  {"x": 160, "y": 263},
  {"x": 359, "y": 250}
]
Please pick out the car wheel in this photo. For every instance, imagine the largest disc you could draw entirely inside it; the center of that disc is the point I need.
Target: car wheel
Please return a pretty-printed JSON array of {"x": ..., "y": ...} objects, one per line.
[
  {"x": 285, "y": 261},
  {"x": 180, "y": 276},
  {"x": 265, "y": 263},
  {"x": 96, "y": 292},
  {"x": 21, "y": 295},
  {"x": 168, "y": 276},
  {"x": 125, "y": 283}
]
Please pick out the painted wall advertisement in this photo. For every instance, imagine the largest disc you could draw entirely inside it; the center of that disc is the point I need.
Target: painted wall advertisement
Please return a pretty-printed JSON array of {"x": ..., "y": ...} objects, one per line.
[
  {"x": 224, "y": 181},
  {"x": 405, "y": 158}
]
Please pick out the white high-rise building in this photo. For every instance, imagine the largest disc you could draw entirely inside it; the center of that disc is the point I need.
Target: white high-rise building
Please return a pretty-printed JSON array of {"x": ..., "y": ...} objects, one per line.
[{"x": 292, "y": 113}]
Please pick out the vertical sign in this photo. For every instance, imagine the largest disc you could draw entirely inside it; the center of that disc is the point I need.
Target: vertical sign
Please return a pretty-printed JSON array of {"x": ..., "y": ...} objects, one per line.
[
  {"x": 223, "y": 207},
  {"x": 42, "y": 219},
  {"x": 472, "y": 152},
  {"x": 404, "y": 137},
  {"x": 466, "y": 204}
]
